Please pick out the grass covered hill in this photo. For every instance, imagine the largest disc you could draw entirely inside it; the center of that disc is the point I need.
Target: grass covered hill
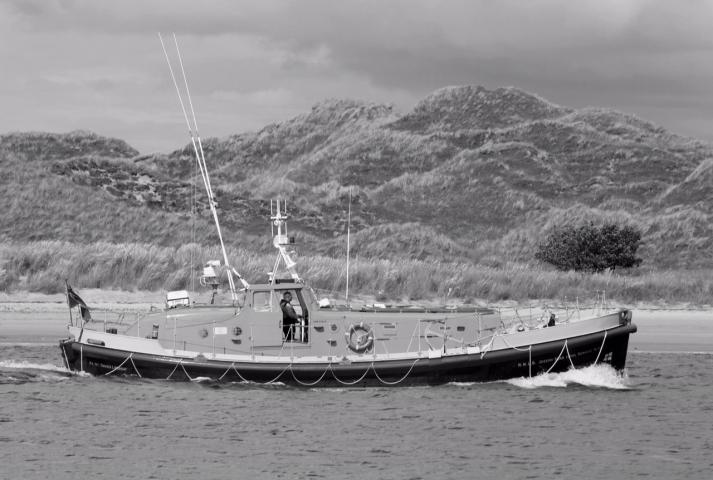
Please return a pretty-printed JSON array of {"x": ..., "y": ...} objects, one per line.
[{"x": 469, "y": 175}]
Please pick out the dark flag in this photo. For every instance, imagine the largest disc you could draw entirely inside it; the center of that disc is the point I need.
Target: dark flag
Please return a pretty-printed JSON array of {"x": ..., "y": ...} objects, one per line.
[{"x": 75, "y": 300}]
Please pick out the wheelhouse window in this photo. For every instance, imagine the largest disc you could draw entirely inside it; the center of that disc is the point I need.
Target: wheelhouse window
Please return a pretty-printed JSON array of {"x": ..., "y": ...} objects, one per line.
[{"x": 262, "y": 301}]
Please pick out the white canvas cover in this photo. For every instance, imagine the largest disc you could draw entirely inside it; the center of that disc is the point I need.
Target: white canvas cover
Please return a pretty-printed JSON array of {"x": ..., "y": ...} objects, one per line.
[{"x": 177, "y": 298}]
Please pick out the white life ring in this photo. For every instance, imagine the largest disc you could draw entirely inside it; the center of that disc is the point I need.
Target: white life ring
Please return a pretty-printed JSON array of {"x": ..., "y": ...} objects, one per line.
[{"x": 360, "y": 338}]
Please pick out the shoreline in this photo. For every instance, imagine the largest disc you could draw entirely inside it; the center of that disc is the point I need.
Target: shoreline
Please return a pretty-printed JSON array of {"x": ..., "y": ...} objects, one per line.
[
  {"x": 104, "y": 299},
  {"x": 95, "y": 298}
]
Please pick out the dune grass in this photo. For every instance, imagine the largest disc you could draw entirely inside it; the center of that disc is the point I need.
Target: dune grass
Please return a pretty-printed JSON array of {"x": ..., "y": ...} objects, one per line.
[{"x": 43, "y": 266}]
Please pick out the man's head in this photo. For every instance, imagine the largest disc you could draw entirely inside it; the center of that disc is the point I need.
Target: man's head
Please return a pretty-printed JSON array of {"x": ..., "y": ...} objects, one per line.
[{"x": 287, "y": 296}]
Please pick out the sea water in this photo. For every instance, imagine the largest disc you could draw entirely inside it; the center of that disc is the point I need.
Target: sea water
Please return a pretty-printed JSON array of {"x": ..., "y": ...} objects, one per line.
[{"x": 654, "y": 421}]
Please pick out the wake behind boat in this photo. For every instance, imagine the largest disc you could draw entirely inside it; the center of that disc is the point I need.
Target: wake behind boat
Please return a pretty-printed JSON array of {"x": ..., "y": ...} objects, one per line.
[{"x": 279, "y": 331}]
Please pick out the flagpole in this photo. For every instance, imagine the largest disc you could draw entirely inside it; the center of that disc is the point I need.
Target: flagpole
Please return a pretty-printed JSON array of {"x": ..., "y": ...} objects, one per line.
[{"x": 66, "y": 295}]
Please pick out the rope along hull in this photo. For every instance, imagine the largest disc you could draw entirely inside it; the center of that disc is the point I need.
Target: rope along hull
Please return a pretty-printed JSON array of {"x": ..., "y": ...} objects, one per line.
[{"x": 608, "y": 346}]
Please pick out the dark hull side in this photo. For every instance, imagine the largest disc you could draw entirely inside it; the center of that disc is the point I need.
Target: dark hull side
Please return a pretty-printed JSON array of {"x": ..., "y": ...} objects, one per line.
[{"x": 496, "y": 365}]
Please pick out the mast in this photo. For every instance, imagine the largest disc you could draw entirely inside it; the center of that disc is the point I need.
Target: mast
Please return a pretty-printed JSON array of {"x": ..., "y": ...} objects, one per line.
[
  {"x": 200, "y": 160},
  {"x": 281, "y": 241},
  {"x": 349, "y": 224}
]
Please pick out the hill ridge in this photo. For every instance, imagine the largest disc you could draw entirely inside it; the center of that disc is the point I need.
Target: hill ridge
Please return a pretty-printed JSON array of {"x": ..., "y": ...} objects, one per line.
[{"x": 479, "y": 173}]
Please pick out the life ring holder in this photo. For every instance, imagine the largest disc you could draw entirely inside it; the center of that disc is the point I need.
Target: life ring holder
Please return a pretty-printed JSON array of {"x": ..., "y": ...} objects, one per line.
[{"x": 367, "y": 340}]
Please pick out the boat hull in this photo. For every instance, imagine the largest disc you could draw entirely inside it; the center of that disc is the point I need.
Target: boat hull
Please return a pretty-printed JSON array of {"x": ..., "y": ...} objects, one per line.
[{"x": 607, "y": 346}]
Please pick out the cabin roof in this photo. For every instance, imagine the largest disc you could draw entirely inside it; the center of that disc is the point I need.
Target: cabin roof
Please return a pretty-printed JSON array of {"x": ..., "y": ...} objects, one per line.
[{"x": 276, "y": 286}]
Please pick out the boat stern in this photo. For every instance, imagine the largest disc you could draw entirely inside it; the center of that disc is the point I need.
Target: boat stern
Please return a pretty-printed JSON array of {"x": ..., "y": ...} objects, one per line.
[{"x": 68, "y": 354}]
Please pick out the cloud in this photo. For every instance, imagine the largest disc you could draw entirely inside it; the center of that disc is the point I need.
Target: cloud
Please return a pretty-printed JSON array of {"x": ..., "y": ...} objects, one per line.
[
  {"x": 250, "y": 62},
  {"x": 136, "y": 16}
]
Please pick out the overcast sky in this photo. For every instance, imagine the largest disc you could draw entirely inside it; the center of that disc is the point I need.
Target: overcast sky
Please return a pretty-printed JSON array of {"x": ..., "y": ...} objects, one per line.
[{"x": 94, "y": 65}]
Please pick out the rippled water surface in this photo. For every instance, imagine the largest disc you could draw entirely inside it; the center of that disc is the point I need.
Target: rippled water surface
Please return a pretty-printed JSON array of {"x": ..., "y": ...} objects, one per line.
[{"x": 652, "y": 423}]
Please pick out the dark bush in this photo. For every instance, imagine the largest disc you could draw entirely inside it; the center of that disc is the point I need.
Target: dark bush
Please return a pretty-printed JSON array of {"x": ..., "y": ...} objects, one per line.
[{"x": 591, "y": 248}]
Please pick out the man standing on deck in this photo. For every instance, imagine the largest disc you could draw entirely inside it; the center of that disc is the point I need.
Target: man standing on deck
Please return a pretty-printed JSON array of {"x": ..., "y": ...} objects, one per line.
[{"x": 289, "y": 317}]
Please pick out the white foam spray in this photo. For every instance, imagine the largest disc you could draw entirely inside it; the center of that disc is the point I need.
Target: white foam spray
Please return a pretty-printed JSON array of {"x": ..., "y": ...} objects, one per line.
[
  {"x": 25, "y": 365},
  {"x": 43, "y": 367},
  {"x": 595, "y": 376}
]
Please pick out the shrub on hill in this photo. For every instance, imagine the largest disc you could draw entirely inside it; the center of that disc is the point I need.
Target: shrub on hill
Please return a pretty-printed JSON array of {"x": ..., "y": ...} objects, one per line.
[{"x": 591, "y": 248}]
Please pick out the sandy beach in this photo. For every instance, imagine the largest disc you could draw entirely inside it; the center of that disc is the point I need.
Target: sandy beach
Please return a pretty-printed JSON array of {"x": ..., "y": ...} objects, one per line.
[{"x": 35, "y": 317}]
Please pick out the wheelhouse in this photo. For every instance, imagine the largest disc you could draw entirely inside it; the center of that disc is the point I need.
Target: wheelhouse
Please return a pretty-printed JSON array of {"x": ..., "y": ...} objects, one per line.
[{"x": 263, "y": 304}]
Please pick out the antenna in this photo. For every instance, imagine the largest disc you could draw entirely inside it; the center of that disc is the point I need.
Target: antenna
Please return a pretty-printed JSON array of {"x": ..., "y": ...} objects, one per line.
[
  {"x": 349, "y": 223},
  {"x": 281, "y": 241},
  {"x": 200, "y": 159}
]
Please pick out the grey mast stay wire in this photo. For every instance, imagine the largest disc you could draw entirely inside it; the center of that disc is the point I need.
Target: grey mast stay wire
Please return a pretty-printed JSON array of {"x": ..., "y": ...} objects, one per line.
[
  {"x": 204, "y": 169},
  {"x": 183, "y": 108}
]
